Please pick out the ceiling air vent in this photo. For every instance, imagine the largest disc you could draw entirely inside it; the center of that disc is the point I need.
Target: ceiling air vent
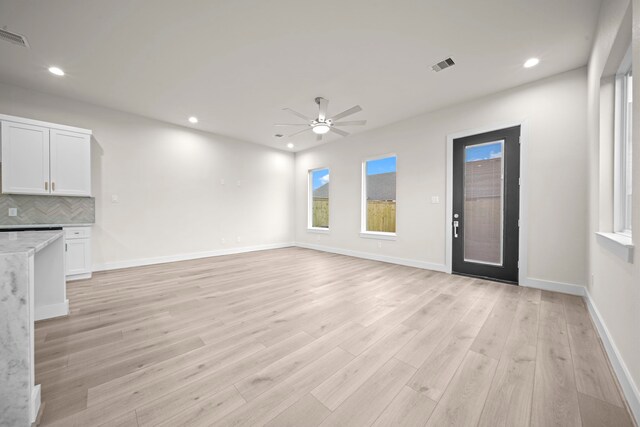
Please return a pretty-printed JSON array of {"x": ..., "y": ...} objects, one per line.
[
  {"x": 443, "y": 64},
  {"x": 14, "y": 38}
]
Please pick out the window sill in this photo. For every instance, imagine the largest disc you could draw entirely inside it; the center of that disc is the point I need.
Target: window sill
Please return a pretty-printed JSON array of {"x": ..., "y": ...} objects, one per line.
[
  {"x": 619, "y": 244},
  {"x": 378, "y": 235},
  {"x": 318, "y": 230}
]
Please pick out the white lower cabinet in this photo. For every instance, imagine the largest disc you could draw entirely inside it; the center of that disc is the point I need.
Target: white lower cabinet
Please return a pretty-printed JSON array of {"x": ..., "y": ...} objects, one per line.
[{"x": 77, "y": 246}]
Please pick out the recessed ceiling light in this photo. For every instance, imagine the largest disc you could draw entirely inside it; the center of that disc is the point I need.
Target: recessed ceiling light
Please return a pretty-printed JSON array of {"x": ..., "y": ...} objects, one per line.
[
  {"x": 290, "y": 145},
  {"x": 57, "y": 71},
  {"x": 193, "y": 120},
  {"x": 531, "y": 62}
]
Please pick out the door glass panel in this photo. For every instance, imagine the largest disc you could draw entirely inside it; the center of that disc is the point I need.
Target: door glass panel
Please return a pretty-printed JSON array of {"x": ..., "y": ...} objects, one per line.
[{"x": 483, "y": 202}]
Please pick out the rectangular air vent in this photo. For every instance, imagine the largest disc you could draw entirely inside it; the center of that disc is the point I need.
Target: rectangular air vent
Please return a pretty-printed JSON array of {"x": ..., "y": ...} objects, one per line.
[
  {"x": 443, "y": 64},
  {"x": 14, "y": 38}
]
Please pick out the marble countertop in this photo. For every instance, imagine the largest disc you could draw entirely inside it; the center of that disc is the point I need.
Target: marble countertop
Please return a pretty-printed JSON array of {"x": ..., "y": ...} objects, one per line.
[
  {"x": 28, "y": 242},
  {"x": 8, "y": 227}
]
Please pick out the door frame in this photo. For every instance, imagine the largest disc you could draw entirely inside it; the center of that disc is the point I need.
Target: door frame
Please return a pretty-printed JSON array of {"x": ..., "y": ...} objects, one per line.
[{"x": 524, "y": 225}]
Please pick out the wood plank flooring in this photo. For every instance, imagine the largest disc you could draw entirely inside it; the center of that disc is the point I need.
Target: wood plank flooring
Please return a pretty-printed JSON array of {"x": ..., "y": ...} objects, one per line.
[{"x": 295, "y": 337}]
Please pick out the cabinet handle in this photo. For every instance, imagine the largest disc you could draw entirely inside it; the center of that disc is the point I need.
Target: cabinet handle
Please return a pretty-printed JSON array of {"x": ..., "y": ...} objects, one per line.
[
  {"x": 65, "y": 247},
  {"x": 53, "y": 186},
  {"x": 46, "y": 185}
]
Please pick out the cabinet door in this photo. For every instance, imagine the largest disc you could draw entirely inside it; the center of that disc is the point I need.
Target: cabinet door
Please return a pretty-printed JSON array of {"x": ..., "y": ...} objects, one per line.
[
  {"x": 70, "y": 163},
  {"x": 25, "y": 159},
  {"x": 78, "y": 256}
]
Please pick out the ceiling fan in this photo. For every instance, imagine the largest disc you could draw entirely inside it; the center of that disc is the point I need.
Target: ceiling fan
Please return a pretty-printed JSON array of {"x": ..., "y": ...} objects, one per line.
[{"x": 323, "y": 124}]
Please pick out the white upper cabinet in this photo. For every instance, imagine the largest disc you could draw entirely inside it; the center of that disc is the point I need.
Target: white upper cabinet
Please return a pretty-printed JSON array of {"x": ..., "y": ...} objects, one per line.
[
  {"x": 70, "y": 163},
  {"x": 25, "y": 159},
  {"x": 45, "y": 158}
]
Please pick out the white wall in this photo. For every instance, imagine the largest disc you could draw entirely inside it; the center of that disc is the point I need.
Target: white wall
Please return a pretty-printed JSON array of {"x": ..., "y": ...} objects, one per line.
[
  {"x": 614, "y": 288},
  {"x": 168, "y": 181},
  {"x": 555, "y": 111}
]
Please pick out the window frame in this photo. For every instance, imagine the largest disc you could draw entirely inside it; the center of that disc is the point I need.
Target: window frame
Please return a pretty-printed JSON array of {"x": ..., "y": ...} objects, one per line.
[
  {"x": 364, "y": 233},
  {"x": 622, "y": 123},
  {"x": 310, "y": 227}
]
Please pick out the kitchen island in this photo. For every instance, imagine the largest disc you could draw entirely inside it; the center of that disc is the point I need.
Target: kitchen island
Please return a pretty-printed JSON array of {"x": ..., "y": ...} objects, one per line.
[{"x": 32, "y": 287}]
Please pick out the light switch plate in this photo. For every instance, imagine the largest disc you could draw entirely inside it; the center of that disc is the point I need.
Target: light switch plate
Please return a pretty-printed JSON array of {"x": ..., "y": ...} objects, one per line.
[
  {"x": 114, "y": 198},
  {"x": 435, "y": 199},
  {"x": 13, "y": 211}
]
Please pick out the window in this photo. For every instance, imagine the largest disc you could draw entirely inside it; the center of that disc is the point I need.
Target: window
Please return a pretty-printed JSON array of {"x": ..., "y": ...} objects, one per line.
[
  {"x": 623, "y": 144},
  {"x": 319, "y": 199},
  {"x": 379, "y": 196}
]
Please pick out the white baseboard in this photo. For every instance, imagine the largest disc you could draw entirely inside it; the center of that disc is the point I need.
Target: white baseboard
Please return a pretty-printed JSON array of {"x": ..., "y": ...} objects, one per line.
[
  {"x": 546, "y": 285},
  {"x": 34, "y": 407},
  {"x": 78, "y": 277},
  {"x": 376, "y": 257},
  {"x": 185, "y": 257},
  {"x": 50, "y": 311},
  {"x": 629, "y": 388}
]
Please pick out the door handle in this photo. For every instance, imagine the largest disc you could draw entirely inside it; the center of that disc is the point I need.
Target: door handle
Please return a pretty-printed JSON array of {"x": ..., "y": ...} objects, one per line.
[
  {"x": 46, "y": 185},
  {"x": 53, "y": 186},
  {"x": 455, "y": 229}
]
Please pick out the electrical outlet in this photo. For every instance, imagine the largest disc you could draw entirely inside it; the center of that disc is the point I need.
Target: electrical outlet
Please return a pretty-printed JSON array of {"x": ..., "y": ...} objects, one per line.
[
  {"x": 435, "y": 199},
  {"x": 114, "y": 198},
  {"x": 239, "y": 239},
  {"x": 222, "y": 182},
  {"x": 379, "y": 244},
  {"x": 13, "y": 211},
  {"x": 223, "y": 240}
]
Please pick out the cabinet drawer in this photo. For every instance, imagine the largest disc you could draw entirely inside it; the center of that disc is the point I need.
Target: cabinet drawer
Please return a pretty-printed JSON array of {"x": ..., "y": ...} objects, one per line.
[{"x": 77, "y": 232}]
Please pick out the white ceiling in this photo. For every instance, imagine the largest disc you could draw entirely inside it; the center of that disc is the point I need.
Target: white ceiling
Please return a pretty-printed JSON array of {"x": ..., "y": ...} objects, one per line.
[{"x": 235, "y": 64}]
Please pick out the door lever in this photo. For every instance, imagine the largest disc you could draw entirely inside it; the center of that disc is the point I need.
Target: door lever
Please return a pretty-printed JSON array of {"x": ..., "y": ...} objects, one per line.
[{"x": 455, "y": 229}]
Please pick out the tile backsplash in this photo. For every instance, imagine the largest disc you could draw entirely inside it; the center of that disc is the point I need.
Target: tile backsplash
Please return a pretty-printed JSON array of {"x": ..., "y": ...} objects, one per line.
[{"x": 34, "y": 210}]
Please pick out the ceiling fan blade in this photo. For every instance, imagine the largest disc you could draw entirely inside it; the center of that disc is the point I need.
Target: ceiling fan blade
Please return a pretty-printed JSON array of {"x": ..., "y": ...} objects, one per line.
[
  {"x": 302, "y": 116},
  {"x": 352, "y": 123},
  {"x": 322, "y": 114},
  {"x": 300, "y": 131},
  {"x": 339, "y": 131},
  {"x": 318, "y": 137},
  {"x": 346, "y": 113},
  {"x": 291, "y": 124}
]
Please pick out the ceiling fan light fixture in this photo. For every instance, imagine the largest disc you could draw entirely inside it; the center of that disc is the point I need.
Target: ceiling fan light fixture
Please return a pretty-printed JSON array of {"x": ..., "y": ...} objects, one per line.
[
  {"x": 321, "y": 128},
  {"x": 56, "y": 71}
]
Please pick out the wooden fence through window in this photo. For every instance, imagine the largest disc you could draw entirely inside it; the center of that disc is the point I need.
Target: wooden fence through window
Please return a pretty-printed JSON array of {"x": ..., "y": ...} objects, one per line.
[{"x": 381, "y": 215}]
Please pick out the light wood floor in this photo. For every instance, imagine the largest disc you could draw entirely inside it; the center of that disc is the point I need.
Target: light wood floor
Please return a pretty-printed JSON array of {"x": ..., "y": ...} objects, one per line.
[{"x": 294, "y": 337}]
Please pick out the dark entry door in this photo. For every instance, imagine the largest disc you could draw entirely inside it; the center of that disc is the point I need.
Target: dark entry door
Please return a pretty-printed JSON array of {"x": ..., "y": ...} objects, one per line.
[{"x": 486, "y": 198}]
